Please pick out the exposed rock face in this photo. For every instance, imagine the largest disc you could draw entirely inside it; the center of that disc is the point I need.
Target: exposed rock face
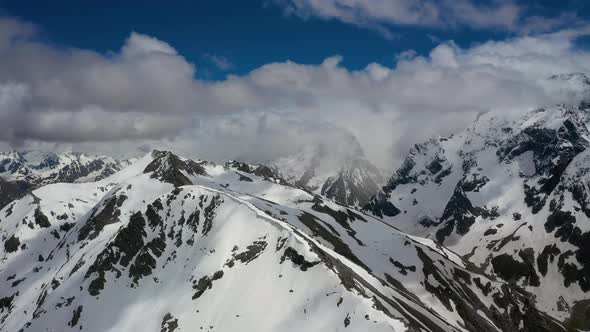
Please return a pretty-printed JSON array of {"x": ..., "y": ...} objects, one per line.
[
  {"x": 512, "y": 197},
  {"x": 219, "y": 252},
  {"x": 262, "y": 171},
  {"x": 9, "y": 191},
  {"x": 172, "y": 169}
]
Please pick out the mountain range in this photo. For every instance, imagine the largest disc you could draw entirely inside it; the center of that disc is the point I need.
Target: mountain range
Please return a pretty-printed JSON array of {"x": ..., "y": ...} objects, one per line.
[{"x": 21, "y": 172}]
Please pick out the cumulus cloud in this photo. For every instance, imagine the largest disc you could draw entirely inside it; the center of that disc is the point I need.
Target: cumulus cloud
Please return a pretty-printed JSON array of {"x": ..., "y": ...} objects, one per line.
[
  {"x": 140, "y": 45},
  {"x": 146, "y": 96},
  {"x": 382, "y": 14}
]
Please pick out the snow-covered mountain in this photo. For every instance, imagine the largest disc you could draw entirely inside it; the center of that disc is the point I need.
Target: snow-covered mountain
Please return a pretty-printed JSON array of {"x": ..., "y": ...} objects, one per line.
[
  {"x": 39, "y": 168},
  {"x": 171, "y": 244},
  {"x": 346, "y": 177},
  {"x": 512, "y": 198},
  {"x": 32, "y": 169}
]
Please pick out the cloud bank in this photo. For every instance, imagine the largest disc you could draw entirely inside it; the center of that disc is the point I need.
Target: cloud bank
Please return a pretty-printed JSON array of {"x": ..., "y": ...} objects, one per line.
[{"x": 146, "y": 96}]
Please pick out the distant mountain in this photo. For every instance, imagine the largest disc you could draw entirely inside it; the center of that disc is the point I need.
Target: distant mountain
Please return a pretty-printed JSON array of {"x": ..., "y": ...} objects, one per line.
[
  {"x": 173, "y": 244},
  {"x": 347, "y": 178},
  {"x": 28, "y": 170},
  {"x": 511, "y": 197},
  {"x": 38, "y": 168}
]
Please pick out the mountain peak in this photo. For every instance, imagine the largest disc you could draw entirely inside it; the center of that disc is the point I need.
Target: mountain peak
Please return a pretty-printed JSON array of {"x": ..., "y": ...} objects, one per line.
[
  {"x": 343, "y": 175},
  {"x": 173, "y": 169}
]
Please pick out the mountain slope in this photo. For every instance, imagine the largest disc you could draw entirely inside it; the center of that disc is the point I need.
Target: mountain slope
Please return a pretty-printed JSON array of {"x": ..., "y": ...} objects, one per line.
[
  {"x": 173, "y": 244},
  {"x": 512, "y": 197}
]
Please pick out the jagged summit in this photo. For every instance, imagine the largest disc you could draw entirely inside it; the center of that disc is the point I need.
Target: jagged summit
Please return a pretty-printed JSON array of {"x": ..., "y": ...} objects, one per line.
[
  {"x": 347, "y": 177},
  {"x": 173, "y": 169}
]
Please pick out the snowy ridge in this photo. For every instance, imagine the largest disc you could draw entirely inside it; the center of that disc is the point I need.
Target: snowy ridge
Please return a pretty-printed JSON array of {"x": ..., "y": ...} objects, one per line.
[
  {"x": 230, "y": 250},
  {"x": 512, "y": 198}
]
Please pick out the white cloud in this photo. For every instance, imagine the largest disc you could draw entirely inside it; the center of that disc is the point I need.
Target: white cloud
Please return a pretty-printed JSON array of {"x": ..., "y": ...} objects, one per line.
[
  {"x": 138, "y": 45},
  {"x": 146, "y": 96},
  {"x": 381, "y": 15}
]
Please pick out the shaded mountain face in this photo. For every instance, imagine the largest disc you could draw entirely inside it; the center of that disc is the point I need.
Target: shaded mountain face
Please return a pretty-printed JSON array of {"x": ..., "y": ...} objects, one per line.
[
  {"x": 8, "y": 192},
  {"x": 347, "y": 178},
  {"x": 171, "y": 244},
  {"x": 28, "y": 170},
  {"x": 511, "y": 197}
]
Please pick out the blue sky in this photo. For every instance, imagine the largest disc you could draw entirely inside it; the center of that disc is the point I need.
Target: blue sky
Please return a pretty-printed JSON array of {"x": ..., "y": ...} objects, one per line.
[{"x": 237, "y": 36}]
